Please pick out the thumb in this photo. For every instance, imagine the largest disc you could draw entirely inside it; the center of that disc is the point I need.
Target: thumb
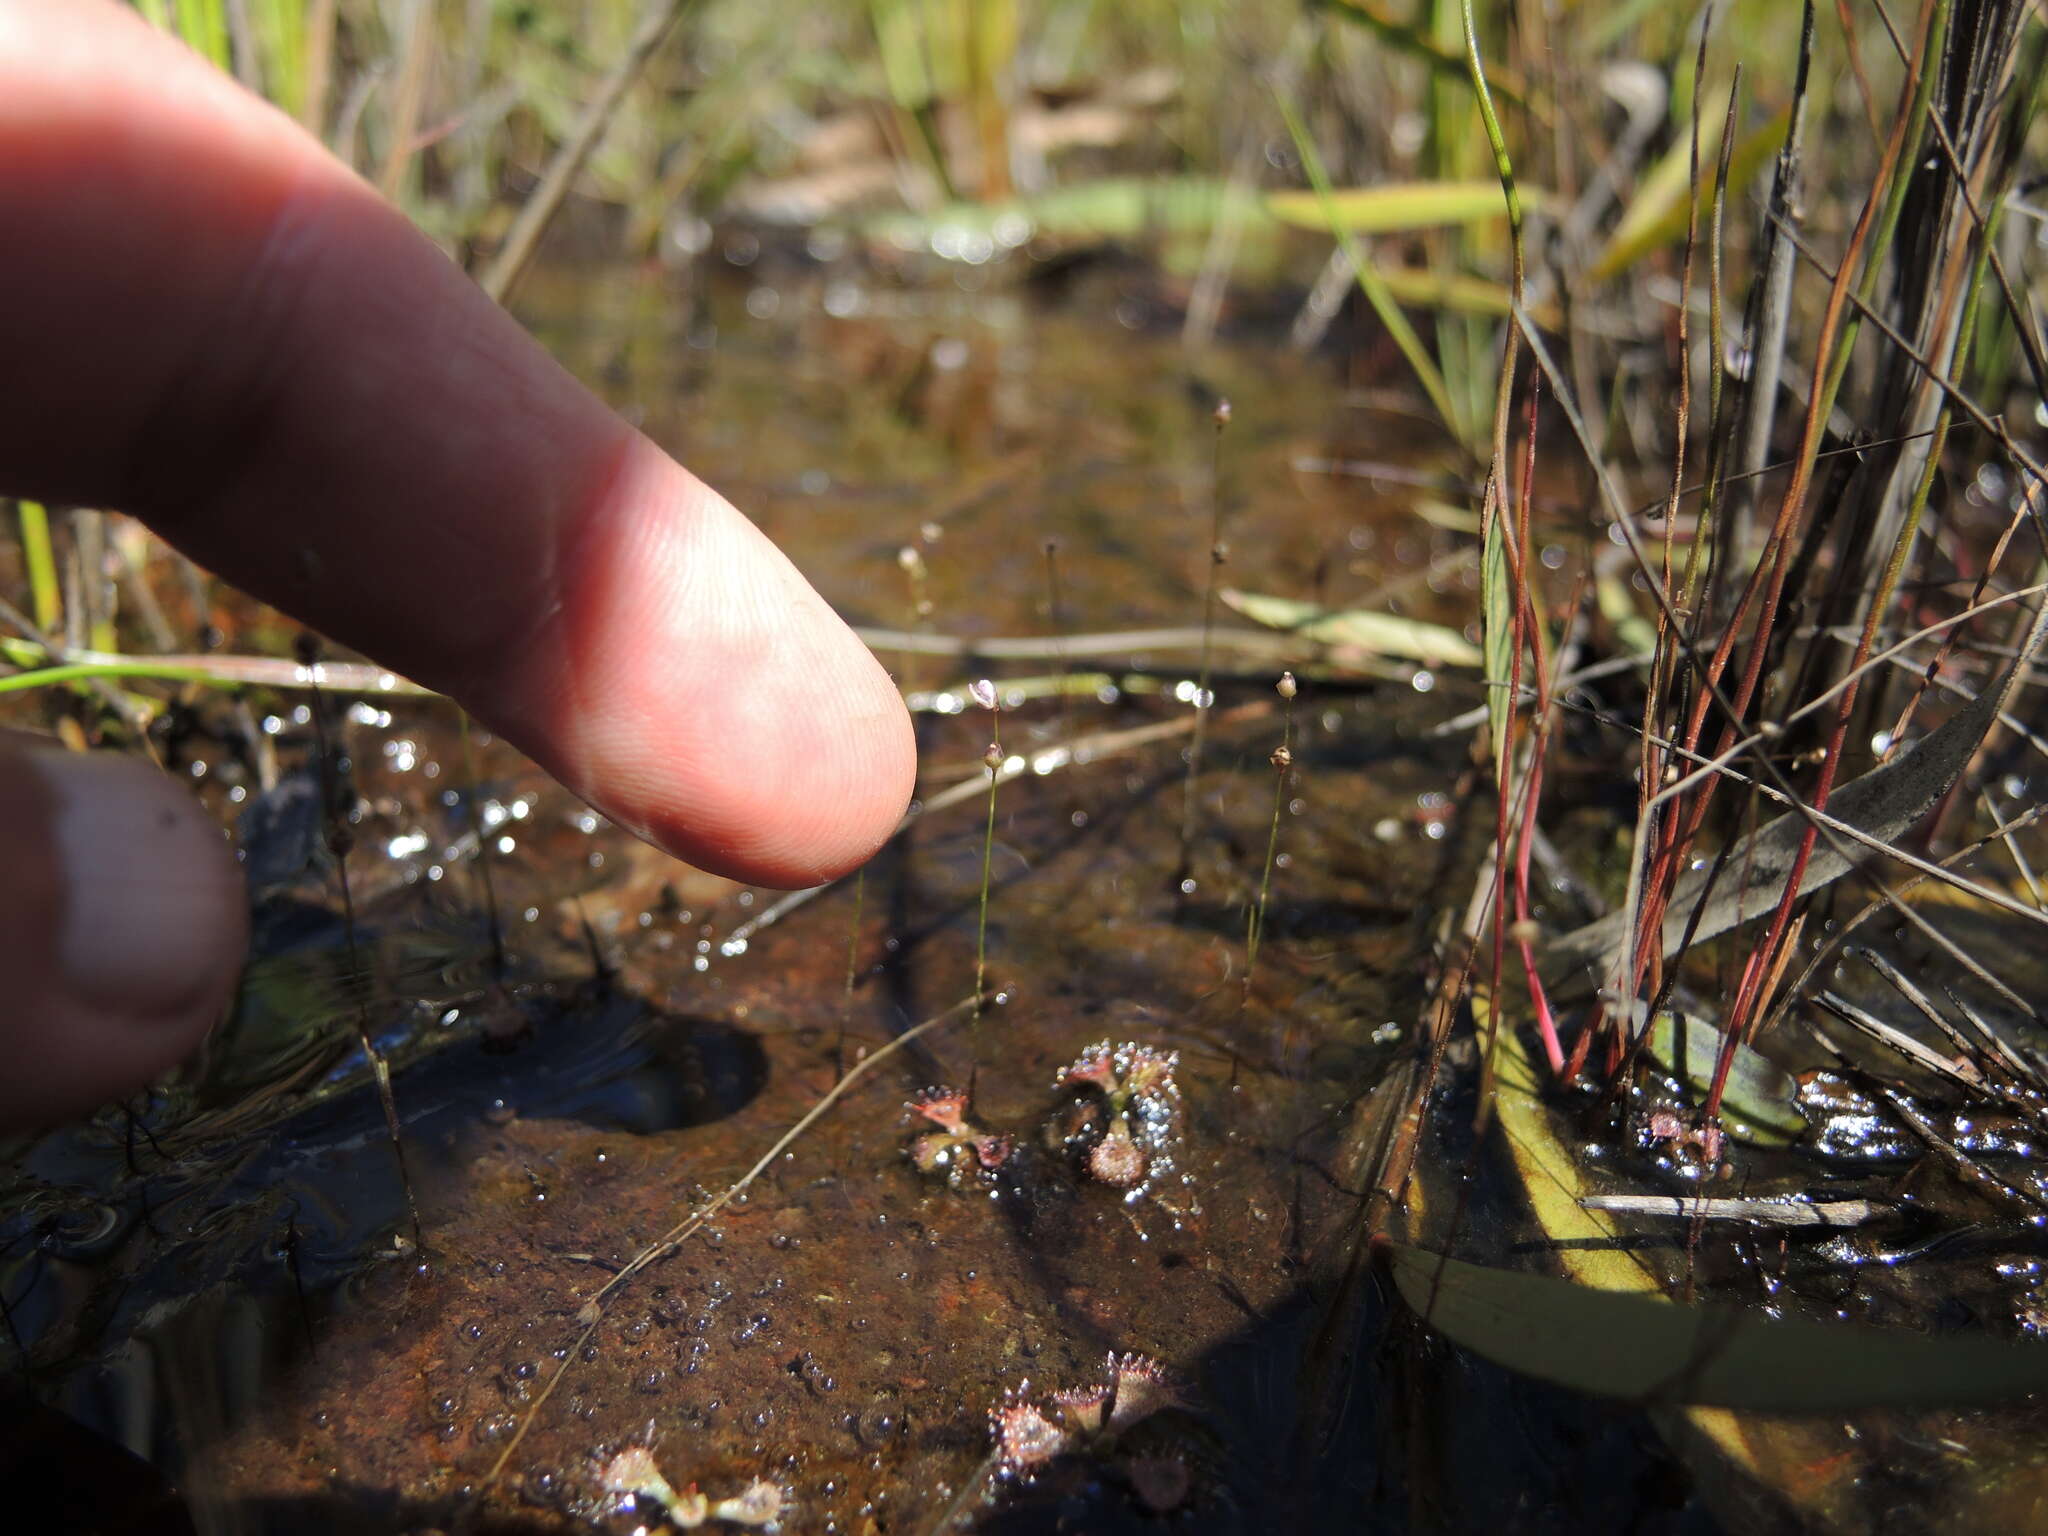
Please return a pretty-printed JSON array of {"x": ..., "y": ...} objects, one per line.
[{"x": 123, "y": 921}]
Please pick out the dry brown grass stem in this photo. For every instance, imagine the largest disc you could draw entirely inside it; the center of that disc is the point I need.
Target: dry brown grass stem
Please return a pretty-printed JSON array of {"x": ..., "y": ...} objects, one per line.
[{"x": 656, "y": 21}]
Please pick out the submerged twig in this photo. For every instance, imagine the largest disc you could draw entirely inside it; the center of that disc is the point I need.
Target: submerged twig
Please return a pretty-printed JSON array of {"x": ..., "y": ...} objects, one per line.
[
  {"x": 1780, "y": 1211},
  {"x": 1182, "y": 637}
]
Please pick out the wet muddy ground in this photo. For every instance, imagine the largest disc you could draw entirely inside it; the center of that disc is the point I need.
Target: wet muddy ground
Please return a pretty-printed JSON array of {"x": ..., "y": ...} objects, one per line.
[
  {"x": 846, "y": 1326},
  {"x": 588, "y": 1041}
]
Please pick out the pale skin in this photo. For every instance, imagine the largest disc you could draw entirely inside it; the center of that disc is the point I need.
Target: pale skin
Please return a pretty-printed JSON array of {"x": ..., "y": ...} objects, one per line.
[{"x": 207, "y": 321}]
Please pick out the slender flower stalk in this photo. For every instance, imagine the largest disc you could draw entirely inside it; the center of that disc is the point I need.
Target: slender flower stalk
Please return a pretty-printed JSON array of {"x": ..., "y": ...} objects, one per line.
[
  {"x": 860, "y": 894},
  {"x": 984, "y": 693},
  {"x": 1283, "y": 759},
  {"x": 1203, "y": 697}
]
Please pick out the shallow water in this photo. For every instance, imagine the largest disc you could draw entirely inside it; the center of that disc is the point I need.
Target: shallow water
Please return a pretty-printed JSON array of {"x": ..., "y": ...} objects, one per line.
[{"x": 226, "y": 1282}]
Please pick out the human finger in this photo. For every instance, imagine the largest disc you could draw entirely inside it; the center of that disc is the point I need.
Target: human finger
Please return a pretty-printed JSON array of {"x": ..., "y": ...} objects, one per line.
[
  {"x": 123, "y": 922},
  {"x": 212, "y": 323}
]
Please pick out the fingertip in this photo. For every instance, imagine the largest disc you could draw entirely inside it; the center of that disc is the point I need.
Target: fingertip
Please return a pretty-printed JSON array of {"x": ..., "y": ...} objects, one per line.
[
  {"x": 691, "y": 684},
  {"x": 813, "y": 803}
]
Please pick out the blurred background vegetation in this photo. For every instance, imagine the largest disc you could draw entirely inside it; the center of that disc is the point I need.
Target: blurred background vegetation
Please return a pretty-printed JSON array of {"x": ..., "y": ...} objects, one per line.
[
  {"x": 842, "y": 113},
  {"x": 965, "y": 129}
]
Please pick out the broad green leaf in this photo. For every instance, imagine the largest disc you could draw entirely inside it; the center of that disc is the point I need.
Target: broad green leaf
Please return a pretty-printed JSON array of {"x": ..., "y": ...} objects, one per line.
[
  {"x": 1395, "y": 207},
  {"x": 1589, "y": 1249},
  {"x": 1370, "y": 283},
  {"x": 1588, "y": 1242},
  {"x": 1648, "y": 1349},
  {"x": 1442, "y": 514},
  {"x": 1458, "y": 293},
  {"x": 1657, "y": 216},
  {"x": 1618, "y": 607},
  {"x": 1761, "y": 1099},
  {"x": 1497, "y": 614},
  {"x": 1109, "y": 208},
  {"x": 1377, "y": 634}
]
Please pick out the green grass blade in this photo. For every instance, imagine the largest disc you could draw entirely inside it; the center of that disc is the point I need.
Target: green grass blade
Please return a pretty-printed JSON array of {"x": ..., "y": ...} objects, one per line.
[
  {"x": 1391, "y": 208},
  {"x": 1369, "y": 281},
  {"x": 1658, "y": 215},
  {"x": 1497, "y": 623},
  {"x": 280, "y": 27},
  {"x": 41, "y": 563},
  {"x": 1498, "y": 599}
]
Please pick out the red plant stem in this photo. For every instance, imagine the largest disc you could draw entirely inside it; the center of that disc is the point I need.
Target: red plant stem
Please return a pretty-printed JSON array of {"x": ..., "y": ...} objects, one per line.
[
  {"x": 1779, "y": 547},
  {"x": 1529, "y": 629},
  {"x": 1504, "y": 750},
  {"x": 1760, "y": 964}
]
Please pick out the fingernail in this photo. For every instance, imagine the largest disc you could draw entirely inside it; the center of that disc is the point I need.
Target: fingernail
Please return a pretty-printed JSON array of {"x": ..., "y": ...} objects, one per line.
[{"x": 155, "y": 916}]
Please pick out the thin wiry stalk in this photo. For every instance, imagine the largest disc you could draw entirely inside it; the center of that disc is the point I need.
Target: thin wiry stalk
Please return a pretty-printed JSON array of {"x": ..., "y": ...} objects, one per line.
[
  {"x": 213, "y": 671},
  {"x": 1681, "y": 429},
  {"x": 985, "y": 693},
  {"x": 1054, "y": 622},
  {"x": 485, "y": 879},
  {"x": 1940, "y": 658},
  {"x": 1508, "y": 604},
  {"x": 1093, "y": 747},
  {"x": 1933, "y": 28},
  {"x": 1713, "y": 488},
  {"x": 1529, "y": 629},
  {"x": 956, "y": 1506},
  {"x": 416, "y": 34},
  {"x": 1202, "y": 695},
  {"x": 1890, "y": 898},
  {"x": 1993, "y": 427},
  {"x": 1864, "y": 93},
  {"x": 1772, "y": 776},
  {"x": 1180, "y": 637},
  {"x": 1751, "y": 996},
  {"x": 1283, "y": 760},
  {"x": 1664, "y": 667},
  {"x": 860, "y": 891},
  {"x": 2003, "y": 833},
  {"x": 1765, "y": 585},
  {"x": 319, "y": 67},
  {"x": 1767, "y": 352}
]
